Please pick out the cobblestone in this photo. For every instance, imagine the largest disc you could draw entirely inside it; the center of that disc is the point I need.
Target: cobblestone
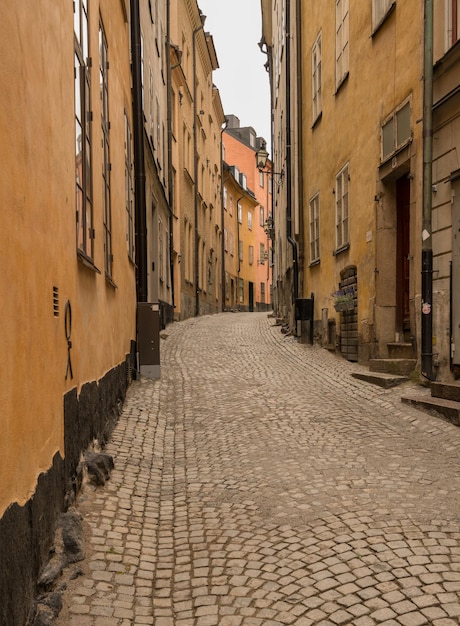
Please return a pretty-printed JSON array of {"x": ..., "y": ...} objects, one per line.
[{"x": 259, "y": 484}]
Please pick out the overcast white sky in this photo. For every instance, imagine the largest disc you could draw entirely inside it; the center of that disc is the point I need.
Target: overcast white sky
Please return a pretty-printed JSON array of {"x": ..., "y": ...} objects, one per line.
[{"x": 236, "y": 27}]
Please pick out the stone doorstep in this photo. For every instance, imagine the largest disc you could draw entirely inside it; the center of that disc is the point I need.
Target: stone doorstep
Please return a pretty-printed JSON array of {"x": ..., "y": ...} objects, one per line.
[
  {"x": 381, "y": 379},
  {"x": 400, "y": 367},
  {"x": 446, "y": 391},
  {"x": 447, "y": 408},
  {"x": 398, "y": 350}
]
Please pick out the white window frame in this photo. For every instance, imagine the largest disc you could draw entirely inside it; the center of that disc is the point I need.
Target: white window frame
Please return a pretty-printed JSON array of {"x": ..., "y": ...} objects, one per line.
[
  {"x": 249, "y": 220},
  {"x": 316, "y": 61},
  {"x": 342, "y": 207},
  {"x": 380, "y": 9},
  {"x": 393, "y": 119},
  {"x": 452, "y": 25},
  {"x": 342, "y": 40},
  {"x": 314, "y": 228}
]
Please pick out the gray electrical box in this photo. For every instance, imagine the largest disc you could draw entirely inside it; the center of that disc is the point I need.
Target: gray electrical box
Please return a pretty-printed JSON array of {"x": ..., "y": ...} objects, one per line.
[{"x": 148, "y": 338}]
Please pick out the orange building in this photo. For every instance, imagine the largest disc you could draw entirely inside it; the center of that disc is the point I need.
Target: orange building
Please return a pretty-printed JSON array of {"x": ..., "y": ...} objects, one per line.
[
  {"x": 240, "y": 146},
  {"x": 68, "y": 284},
  {"x": 240, "y": 262}
]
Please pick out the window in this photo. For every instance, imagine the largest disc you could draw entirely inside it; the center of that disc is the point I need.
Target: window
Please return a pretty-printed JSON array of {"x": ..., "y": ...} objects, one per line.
[
  {"x": 225, "y": 240},
  {"x": 104, "y": 87},
  {"x": 225, "y": 198},
  {"x": 261, "y": 179},
  {"x": 250, "y": 220},
  {"x": 316, "y": 78},
  {"x": 380, "y": 9},
  {"x": 240, "y": 250},
  {"x": 251, "y": 255},
  {"x": 240, "y": 213},
  {"x": 262, "y": 292},
  {"x": 341, "y": 41},
  {"x": 129, "y": 195},
  {"x": 262, "y": 254},
  {"x": 396, "y": 131},
  {"x": 314, "y": 229},
  {"x": 83, "y": 157},
  {"x": 452, "y": 22},
  {"x": 161, "y": 255},
  {"x": 231, "y": 243},
  {"x": 241, "y": 289},
  {"x": 341, "y": 207},
  {"x": 262, "y": 216},
  {"x": 230, "y": 204}
]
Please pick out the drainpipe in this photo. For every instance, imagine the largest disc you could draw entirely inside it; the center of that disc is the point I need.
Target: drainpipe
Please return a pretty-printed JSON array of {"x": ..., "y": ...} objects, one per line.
[
  {"x": 427, "y": 251},
  {"x": 170, "y": 168},
  {"x": 290, "y": 238},
  {"x": 239, "y": 256},
  {"x": 222, "y": 211},
  {"x": 195, "y": 173},
  {"x": 139, "y": 166}
]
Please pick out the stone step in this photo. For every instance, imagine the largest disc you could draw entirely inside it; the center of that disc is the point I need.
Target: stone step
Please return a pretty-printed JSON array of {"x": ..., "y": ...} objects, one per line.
[
  {"x": 447, "y": 391},
  {"x": 401, "y": 367},
  {"x": 380, "y": 378},
  {"x": 449, "y": 409},
  {"x": 398, "y": 350}
]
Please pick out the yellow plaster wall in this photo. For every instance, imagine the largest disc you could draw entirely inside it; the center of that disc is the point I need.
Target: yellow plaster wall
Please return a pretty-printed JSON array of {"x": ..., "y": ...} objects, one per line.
[
  {"x": 38, "y": 249},
  {"x": 384, "y": 70}
]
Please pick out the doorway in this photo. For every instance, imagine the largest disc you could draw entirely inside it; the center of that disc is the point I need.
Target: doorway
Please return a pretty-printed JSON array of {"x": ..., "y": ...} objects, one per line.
[
  {"x": 402, "y": 321},
  {"x": 455, "y": 291},
  {"x": 251, "y": 297}
]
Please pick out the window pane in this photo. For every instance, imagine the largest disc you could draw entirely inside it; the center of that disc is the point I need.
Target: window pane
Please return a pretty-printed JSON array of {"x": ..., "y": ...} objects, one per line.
[
  {"x": 388, "y": 138},
  {"x": 403, "y": 124}
]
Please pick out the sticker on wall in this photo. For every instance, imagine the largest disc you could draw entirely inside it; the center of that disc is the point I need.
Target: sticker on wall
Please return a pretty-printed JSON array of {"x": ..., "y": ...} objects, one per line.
[{"x": 426, "y": 308}]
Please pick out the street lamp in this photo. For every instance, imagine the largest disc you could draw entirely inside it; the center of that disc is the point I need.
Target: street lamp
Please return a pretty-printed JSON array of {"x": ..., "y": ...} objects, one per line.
[
  {"x": 261, "y": 161},
  {"x": 269, "y": 227},
  {"x": 262, "y": 156}
]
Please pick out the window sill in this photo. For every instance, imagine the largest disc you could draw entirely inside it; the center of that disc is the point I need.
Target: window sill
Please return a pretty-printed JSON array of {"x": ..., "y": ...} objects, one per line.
[
  {"x": 343, "y": 248},
  {"x": 317, "y": 120},
  {"x": 342, "y": 81},
  {"x": 87, "y": 262},
  {"x": 379, "y": 24},
  {"x": 110, "y": 282},
  {"x": 315, "y": 263}
]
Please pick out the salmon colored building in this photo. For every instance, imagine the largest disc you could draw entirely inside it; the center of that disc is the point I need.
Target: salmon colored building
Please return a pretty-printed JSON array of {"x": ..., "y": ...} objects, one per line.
[{"x": 240, "y": 147}]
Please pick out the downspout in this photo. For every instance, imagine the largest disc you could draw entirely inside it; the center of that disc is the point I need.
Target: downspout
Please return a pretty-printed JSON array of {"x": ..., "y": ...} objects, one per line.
[
  {"x": 195, "y": 174},
  {"x": 290, "y": 238},
  {"x": 299, "y": 174},
  {"x": 239, "y": 256},
  {"x": 222, "y": 216},
  {"x": 139, "y": 165},
  {"x": 427, "y": 250},
  {"x": 170, "y": 168}
]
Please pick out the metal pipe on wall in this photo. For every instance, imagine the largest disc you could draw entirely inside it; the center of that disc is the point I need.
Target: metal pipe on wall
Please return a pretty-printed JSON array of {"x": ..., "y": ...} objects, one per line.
[
  {"x": 427, "y": 250},
  {"x": 139, "y": 164}
]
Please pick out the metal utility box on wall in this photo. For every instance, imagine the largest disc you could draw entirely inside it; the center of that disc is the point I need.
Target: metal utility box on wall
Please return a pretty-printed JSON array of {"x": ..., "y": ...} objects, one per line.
[
  {"x": 304, "y": 313},
  {"x": 148, "y": 338},
  {"x": 304, "y": 309}
]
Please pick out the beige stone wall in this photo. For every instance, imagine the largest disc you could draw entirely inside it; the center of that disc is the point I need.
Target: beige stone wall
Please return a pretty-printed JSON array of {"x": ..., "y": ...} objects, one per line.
[
  {"x": 205, "y": 191},
  {"x": 384, "y": 70}
]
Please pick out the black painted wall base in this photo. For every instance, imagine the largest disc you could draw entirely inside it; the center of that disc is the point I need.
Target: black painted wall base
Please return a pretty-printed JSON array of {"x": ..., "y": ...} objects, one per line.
[{"x": 27, "y": 532}]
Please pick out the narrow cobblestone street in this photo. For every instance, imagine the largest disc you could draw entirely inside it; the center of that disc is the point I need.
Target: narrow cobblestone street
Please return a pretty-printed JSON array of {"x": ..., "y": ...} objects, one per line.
[{"x": 258, "y": 483}]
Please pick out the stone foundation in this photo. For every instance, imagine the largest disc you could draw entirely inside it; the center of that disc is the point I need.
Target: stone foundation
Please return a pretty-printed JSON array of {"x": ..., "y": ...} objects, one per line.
[{"x": 27, "y": 532}]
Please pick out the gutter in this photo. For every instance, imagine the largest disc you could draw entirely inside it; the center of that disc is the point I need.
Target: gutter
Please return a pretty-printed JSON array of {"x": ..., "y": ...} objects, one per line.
[
  {"x": 290, "y": 239},
  {"x": 427, "y": 250},
  {"x": 139, "y": 165}
]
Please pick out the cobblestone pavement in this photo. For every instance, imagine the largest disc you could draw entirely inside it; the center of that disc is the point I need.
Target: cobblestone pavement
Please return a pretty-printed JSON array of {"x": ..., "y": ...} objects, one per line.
[{"x": 258, "y": 483}]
